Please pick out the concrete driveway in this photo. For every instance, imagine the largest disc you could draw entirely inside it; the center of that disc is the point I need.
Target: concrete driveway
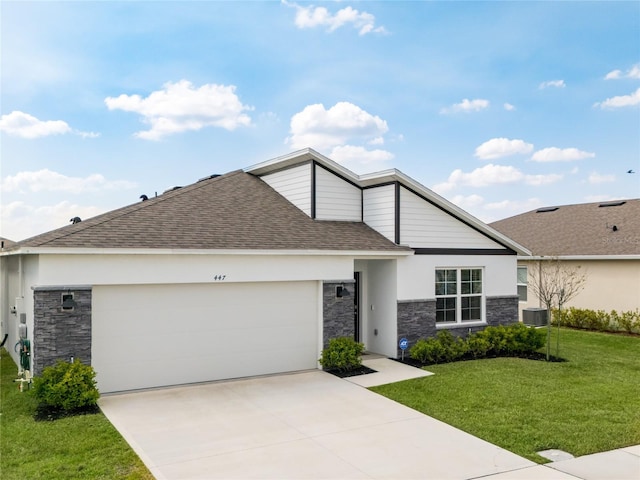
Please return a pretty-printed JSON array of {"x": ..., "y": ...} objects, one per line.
[{"x": 308, "y": 425}]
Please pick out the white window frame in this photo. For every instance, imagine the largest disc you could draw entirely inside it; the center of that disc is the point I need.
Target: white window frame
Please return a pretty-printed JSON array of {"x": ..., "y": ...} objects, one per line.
[
  {"x": 458, "y": 295},
  {"x": 523, "y": 284}
]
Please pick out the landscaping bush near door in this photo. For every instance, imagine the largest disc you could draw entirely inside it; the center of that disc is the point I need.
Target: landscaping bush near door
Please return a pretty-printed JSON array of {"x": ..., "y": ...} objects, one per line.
[
  {"x": 342, "y": 353},
  {"x": 514, "y": 340}
]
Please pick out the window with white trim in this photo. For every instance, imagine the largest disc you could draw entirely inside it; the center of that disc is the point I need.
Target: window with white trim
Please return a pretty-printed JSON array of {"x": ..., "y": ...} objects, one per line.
[
  {"x": 522, "y": 283},
  {"x": 459, "y": 295}
]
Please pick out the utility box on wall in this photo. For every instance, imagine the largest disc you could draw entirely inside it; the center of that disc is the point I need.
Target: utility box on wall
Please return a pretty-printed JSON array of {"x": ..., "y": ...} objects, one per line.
[{"x": 536, "y": 317}]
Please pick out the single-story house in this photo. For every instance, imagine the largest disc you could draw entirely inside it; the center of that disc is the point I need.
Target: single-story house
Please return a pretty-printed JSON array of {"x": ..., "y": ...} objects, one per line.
[
  {"x": 602, "y": 238},
  {"x": 252, "y": 272}
]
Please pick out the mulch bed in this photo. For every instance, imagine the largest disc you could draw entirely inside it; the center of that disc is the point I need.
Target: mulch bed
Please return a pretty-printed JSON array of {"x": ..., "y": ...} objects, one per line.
[
  {"x": 528, "y": 356},
  {"x": 362, "y": 370},
  {"x": 50, "y": 414}
]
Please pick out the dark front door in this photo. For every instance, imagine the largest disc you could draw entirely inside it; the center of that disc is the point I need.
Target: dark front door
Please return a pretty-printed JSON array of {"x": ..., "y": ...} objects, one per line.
[{"x": 356, "y": 307}]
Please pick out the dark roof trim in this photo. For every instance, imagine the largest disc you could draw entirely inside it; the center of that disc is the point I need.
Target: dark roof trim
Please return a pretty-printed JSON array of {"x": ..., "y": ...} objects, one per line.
[
  {"x": 463, "y": 251},
  {"x": 313, "y": 189},
  {"x": 341, "y": 177},
  {"x": 384, "y": 184},
  {"x": 397, "y": 213}
]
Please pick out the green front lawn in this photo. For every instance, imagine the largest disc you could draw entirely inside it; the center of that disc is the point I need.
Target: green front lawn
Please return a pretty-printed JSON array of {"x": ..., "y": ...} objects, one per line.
[
  {"x": 585, "y": 405},
  {"x": 80, "y": 447}
]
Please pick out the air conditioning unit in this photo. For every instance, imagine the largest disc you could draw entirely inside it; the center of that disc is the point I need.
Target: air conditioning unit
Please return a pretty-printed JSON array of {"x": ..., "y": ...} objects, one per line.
[{"x": 536, "y": 317}]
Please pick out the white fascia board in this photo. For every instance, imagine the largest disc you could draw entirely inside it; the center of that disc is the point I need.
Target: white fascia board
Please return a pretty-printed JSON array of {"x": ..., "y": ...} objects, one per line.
[
  {"x": 535, "y": 258},
  {"x": 299, "y": 156},
  {"x": 168, "y": 251}
]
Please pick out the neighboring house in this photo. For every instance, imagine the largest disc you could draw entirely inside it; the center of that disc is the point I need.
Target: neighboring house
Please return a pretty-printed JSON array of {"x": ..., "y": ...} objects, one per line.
[
  {"x": 252, "y": 272},
  {"x": 602, "y": 238}
]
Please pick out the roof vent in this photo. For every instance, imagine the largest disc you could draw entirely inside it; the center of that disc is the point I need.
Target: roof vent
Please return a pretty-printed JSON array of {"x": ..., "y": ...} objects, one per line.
[
  {"x": 215, "y": 175},
  {"x": 172, "y": 189},
  {"x": 612, "y": 204},
  {"x": 547, "y": 209}
]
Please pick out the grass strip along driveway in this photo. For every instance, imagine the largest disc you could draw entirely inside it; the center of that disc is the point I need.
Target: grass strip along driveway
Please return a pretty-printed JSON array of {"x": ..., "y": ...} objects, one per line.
[
  {"x": 79, "y": 447},
  {"x": 586, "y": 405}
]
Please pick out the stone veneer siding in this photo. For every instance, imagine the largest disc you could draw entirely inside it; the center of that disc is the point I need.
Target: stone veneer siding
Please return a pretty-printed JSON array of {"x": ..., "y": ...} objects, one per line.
[
  {"x": 337, "y": 313},
  {"x": 502, "y": 310},
  {"x": 417, "y": 319},
  {"x": 60, "y": 334}
]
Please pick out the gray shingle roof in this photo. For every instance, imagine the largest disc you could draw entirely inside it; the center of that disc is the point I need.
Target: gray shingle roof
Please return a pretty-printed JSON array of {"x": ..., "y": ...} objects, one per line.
[
  {"x": 232, "y": 211},
  {"x": 582, "y": 229}
]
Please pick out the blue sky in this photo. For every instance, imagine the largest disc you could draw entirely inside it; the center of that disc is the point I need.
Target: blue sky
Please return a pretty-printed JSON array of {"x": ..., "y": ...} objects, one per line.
[{"x": 500, "y": 107}]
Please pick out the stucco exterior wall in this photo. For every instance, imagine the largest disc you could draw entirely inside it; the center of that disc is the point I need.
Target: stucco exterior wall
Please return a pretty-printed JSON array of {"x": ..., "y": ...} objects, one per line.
[
  {"x": 610, "y": 285},
  {"x": 118, "y": 269},
  {"x": 416, "y": 274},
  {"x": 20, "y": 275}
]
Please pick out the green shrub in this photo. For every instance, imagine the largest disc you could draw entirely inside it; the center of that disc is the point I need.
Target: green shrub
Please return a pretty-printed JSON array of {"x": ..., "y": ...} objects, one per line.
[
  {"x": 453, "y": 347},
  {"x": 525, "y": 339},
  {"x": 514, "y": 340},
  {"x": 598, "y": 320},
  {"x": 478, "y": 346},
  {"x": 66, "y": 387},
  {"x": 342, "y": 353},
  {"x": 442, "y": 348},
  {"x": 427, "y": 351}
]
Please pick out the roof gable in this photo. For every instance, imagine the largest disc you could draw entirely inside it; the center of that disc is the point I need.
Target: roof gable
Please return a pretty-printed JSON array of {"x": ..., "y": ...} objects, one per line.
[
  {"x": 599, "y": 228},
  {"x": 301, "y": 189},
  {"x": 232, "y": 211}
]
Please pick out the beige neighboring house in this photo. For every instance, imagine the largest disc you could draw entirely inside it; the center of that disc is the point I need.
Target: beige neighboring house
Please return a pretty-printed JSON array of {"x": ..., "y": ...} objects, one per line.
[{"x": 603, "y": 238}]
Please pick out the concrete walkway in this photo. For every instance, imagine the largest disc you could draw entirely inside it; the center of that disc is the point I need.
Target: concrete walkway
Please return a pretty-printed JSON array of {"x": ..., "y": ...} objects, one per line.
[{"x": 312, "y": 425}]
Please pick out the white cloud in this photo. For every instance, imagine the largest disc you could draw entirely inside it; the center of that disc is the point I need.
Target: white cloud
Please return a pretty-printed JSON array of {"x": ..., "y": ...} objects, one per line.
[
  {"x": 467, "y": 202},
  {"x": 621, "y": 101},
  {"x": 508, "y": 107},
  {"x": 19, "y": 220},
  {"x": 508, "y": 208},
  {"x": 467, "y": 106},
  {"x": 180, "y": 107},
  {"x": 600, "y": 198},
  {"x": 552, "y": 83},
  {"x": 537, "y": 180},
  {"x": 596, "y": 178},
  {"x": 554, "y": 154},
  {"x": 514, "y": 205},
  {"x": 613, "y": 75},
  {"x": 323, "y": 129},
  {"x": 47, "y": 181},
  {"x": 23, "y": 125},
  {"x": 502, "y": 147},
  {"x": 312, "y": 16},
  {"x": 633, "y": 72},
  {"x": 481, "y": 177},
  {"x": 493, "y": 175},
  {"x": 361, "y": 160}
]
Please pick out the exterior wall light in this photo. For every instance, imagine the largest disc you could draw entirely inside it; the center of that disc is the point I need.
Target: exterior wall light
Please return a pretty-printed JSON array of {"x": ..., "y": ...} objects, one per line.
[
  {"x": 341, "y": 291},
  {"x": 68, "y": 303}
]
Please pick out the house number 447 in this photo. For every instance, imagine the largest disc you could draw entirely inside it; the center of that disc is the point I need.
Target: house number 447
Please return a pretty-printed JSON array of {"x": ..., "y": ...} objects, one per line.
[{"x": 219, "y": 278}]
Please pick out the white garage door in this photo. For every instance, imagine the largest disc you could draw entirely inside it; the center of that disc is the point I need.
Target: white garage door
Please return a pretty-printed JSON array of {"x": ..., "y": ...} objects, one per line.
[{"x": 156, "y": 335}]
